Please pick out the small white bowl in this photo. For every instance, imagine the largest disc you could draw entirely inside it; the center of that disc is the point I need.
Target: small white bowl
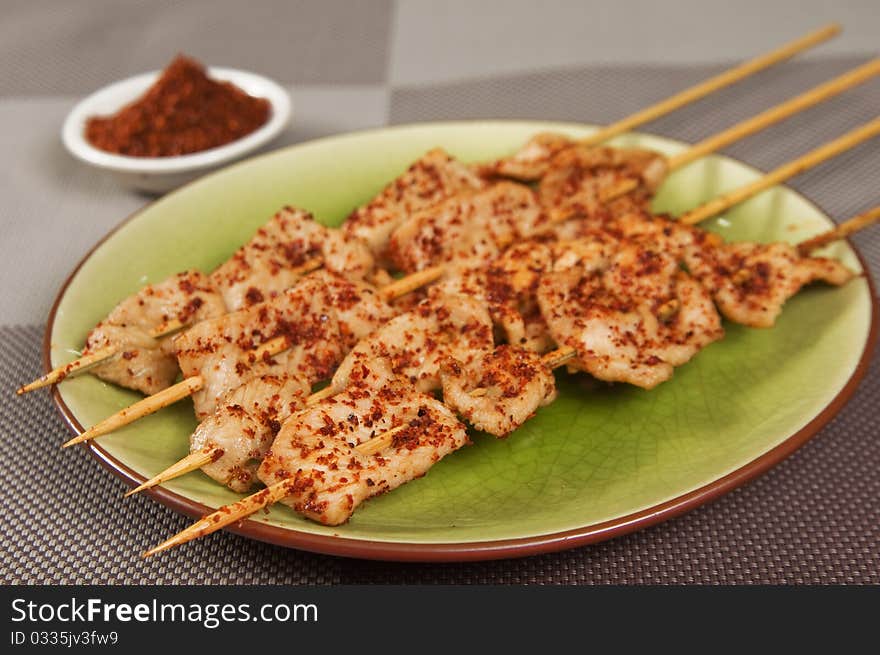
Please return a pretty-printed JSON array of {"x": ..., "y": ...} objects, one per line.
[{"x": 161, "y": 174}]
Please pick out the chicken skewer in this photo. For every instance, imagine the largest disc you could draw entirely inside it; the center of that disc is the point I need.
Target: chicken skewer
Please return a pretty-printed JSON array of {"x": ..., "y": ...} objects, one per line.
[
  {"x": 718, "y": 205},
  {"x": 124, "y": 346},
  {"x": 363, "y": 223},
  {"x": 749, "y": 283},
  {"x": 418, "y": 431}
]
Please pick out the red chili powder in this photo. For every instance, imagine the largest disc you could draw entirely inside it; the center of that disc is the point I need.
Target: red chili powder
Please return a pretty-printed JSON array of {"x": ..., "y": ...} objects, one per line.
[{"x": 185, "y": 111}]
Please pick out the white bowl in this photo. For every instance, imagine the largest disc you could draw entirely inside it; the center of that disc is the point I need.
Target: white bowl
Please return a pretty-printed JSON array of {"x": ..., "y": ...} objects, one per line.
[{"x": 161, "y": 174}]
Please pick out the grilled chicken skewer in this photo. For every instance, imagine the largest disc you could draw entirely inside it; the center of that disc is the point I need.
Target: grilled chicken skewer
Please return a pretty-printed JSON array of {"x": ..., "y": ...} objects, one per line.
[
  {"x": 535, "y": 158},
  {"x": 748, "y": 282},
  {"x": 340, "y": 471},
  {"x": 266, "y": 265},
  {"x": 126, "y": 348}
]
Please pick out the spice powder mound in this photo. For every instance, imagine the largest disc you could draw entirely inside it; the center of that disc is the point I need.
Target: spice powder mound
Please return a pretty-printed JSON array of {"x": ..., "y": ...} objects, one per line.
[{"x": 185, "y": 111}]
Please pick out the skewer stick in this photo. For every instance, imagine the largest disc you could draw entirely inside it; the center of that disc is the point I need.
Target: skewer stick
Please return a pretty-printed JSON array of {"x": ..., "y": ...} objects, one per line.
[
  {"x": 75, "y": 367},
  {"x": 744, "y": 129},
  {"x": 784, "y": 172},
  {"x": 227, "y": 515},
  {"x": 842, "y": 231},
  {"x": 189, "y": 463},
  {"x": 145, "y": 407},
  {"x": 318, "y": 396},
  {"x": 713, "y": 84},
  {"x": 151, "y": 404},
  {"x": 86, "y": 362},
  {"x": 775, "y": 114},
  {"x": 412, "y": 282}
]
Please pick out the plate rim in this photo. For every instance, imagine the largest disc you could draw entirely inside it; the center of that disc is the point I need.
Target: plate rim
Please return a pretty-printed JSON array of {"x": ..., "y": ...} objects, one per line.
[{"x": 493, "y": 549}]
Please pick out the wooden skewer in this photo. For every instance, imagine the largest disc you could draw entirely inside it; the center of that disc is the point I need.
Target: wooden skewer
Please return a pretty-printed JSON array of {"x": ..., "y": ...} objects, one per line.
[
  {"x": 744, "y": 129},
  {"x": 412, "y": 282},
  {"x": 86, "y": 362},
  {"x": 318, "y": 396},
  {"x": 145, "y": 407},
  {"x": 711, "y": 85},
  {"x": 166, "y": 397},
  {"x": 842, "y": 231},
  {"x": 189, "y": 463},
  {"x": 784, "y": 172},
  {"x": 227, "y": 515},
  {"x": 775, "y": 114}
]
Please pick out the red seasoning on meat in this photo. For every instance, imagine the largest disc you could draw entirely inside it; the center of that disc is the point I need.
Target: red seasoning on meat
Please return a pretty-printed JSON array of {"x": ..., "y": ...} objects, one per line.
[{"x": 185, "y": 111}]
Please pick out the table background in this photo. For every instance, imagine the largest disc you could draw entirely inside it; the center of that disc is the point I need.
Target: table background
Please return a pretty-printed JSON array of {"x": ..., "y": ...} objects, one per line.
[{"x": 815, "y": 518}]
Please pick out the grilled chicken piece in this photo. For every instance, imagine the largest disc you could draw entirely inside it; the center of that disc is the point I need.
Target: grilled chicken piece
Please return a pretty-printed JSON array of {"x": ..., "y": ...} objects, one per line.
[
  {"x": 416, "y": 343},
  {"x": 222, "y": 350},
  {"x": 580, "y": 179},
  {"x": 469, "y": 226},
  {"x": 270, "y": 262},
  {"x": 359, "y": 307},
  {"x": 507, "y": 288},
  {"x": 430, "y": 180},
  {"x": 499, "y": 391},
  {"x": 509, "y": 283},
  {"x": 330, "y": 479},
  {"x": 244, "y": 426},
  {"x": 532, "y": 161},
  {"x": 632, "y": 322},
  {"x": 750, "y": 282},
  {"x": 144, "y": 363}
]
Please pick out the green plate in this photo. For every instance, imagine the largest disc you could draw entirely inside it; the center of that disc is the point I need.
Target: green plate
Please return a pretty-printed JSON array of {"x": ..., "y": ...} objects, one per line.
[{"x": 600, "y": 461}]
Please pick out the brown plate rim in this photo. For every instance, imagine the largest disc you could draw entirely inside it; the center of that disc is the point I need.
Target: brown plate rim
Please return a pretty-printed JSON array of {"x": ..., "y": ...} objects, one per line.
[{"x": 485, "y": 550}]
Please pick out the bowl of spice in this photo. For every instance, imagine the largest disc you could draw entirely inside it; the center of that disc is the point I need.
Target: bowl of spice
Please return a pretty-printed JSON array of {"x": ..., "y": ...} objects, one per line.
[{"x": 158, "y": 130}]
